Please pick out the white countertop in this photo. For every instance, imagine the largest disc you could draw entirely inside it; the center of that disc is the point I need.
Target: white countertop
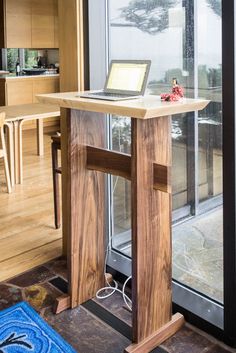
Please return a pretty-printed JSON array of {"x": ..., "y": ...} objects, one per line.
[{"x": 13, "y": 76}]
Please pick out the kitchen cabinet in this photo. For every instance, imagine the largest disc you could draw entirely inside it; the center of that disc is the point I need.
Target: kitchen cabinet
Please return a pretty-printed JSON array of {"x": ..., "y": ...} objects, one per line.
[
  {"x": 22, "y": 90},
  {"x": 29, "y": 24},
  {"x": 18, "y": 23},
  {"x": 56, "y": 25},
  {"x": 41, "y": 86},
  {"x": 43, "y": 23},
  {"x": 19, "y": 92}
]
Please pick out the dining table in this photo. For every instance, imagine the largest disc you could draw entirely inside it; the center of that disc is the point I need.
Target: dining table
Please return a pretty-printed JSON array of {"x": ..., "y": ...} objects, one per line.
[{"x": 16, "y": 116}]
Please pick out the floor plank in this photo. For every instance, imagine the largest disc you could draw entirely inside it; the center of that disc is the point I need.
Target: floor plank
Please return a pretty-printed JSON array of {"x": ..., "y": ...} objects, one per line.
[
  {"x": 30, "y": 259},
  {"x": 28, "y": 237}
]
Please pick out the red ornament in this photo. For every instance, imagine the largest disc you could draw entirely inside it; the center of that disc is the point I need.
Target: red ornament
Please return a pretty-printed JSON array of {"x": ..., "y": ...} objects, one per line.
[
  {"x": 178, "y": 90},
  {"x": 176, "y": 95}
]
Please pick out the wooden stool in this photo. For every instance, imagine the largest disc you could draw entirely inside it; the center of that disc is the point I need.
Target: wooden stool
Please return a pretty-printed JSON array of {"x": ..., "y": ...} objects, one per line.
[
  {"x": 3, "y": 152},
  {"x": 56, "y": 170}
]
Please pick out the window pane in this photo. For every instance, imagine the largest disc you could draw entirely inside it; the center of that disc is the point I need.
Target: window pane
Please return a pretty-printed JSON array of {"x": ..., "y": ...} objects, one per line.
[
  {"x": 12, "y": 57},
  {"x": 30, "y": 57},
  {"x": 210, "y": 87},
  {"x": 146, "y": 34},
  {"x": 187, "y": 45}
]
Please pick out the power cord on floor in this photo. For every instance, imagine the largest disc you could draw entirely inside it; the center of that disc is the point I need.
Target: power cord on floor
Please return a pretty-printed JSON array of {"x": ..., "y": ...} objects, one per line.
[{"x": 113, "y": 289}]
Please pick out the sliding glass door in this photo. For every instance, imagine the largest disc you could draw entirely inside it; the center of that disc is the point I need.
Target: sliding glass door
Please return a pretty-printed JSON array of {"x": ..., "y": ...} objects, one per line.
[
  {"x": 138, "y": 30},
  {"x": 183, "y": 40}
]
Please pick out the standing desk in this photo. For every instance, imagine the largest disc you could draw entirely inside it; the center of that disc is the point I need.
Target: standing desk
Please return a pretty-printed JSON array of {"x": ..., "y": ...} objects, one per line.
[{"x": 85, "y": 159}]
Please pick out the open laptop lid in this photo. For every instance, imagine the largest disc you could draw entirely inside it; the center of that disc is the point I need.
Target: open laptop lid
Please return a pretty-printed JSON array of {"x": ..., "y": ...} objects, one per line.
[{"x": 127, "y": 77}]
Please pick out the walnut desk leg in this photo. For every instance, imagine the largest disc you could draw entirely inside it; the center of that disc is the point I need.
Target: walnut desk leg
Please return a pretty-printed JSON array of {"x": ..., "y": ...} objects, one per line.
[
  {"x": 83, "y": 200},
  {"x": 151, "y": 237},
  {"x": 83, "y": 192}
]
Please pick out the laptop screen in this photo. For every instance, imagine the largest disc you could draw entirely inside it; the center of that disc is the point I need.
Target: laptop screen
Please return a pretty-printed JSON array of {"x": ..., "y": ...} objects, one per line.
[{"x": 124, "y": 76}]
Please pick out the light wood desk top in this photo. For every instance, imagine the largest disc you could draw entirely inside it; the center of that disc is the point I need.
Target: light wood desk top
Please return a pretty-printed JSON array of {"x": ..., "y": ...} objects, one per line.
[
  {"x": 30, "y": 111},
  {"x": 142, "y": 108}
]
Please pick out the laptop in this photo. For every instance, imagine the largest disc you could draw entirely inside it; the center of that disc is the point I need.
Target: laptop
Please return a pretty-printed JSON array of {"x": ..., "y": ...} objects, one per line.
[{"x": 126, "y": 79}]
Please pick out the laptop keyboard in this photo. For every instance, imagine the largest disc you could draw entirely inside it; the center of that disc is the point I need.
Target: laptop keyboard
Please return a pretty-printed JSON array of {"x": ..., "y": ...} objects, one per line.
[{"x": 118, "y": 95}]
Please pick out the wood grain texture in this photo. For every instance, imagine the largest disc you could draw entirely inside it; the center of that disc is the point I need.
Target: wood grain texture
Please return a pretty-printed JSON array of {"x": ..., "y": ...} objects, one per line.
[
  {"x": 147, "y": 107},
  {"x": 22, "y": 90},
  {"x": 154, "y": 340},
  {"x": 29, "y": 111},
  {"x": 83, "y": 198},
  {"x": 61, "y": 303},
  {"x": 71, "y": 66},
  {"x": 3, "y": 153},
  {"x": 109, "y": 162},
  {"x": 18, "y": 24},
  {"x": 36, "y": 24},
  {"x": 45, "y": 86},
  {"x": 151, "y": 228},
  {"x": 81, "y": 63},
  {"x": 17, "y": 144},
  {"x": 20, "y": 151},
  {"x": 10, "y": 150},
  {"x": 2, "y": 24},
  {"x": 162, "y": 177},
  {"x": 43, "y": 29},
  {"x": 19, "y": 92},
  {"x": 30, "y": 259},
  {"x": 27, "y": 234},
  {"x": 17, "y": 115},
  {"x": 25, "y": 243},
  {"x": 65, "y": 210},
  {"x": 56, "y": 25},
  {"x": 119, "y": 164},
  {"x": 40, "y": 144}
]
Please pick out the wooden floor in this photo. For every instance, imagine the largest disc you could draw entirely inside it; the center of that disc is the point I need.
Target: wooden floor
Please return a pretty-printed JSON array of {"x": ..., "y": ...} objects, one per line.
[{"x": 27, "y": 234}]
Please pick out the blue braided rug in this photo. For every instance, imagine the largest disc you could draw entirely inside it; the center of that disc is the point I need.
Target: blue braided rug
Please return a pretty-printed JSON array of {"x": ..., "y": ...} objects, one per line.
[{"x": 22, "y": 330}]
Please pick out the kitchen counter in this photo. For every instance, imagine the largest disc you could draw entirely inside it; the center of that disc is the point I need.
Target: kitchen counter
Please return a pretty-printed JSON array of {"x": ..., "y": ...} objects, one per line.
[
  {"x": 14, "y": 77},
  {"x": 16, "y": 90},
  {"x": 3, "y": 72}
]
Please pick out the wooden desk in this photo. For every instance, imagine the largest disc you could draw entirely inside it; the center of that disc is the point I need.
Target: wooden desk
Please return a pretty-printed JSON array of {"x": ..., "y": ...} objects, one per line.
[
  {"x": 16, "y": 115},
  {"x": 84, "y": 157}
]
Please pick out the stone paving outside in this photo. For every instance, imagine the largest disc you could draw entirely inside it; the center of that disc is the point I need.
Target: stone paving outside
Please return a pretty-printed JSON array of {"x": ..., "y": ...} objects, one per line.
[
  {"x": 198, "y": 253},
  {"x": 197, "y": 246}
]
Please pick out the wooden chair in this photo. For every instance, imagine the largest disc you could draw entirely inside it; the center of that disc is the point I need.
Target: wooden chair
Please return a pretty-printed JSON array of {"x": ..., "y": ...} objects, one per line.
[
  {"x": 3, "y": 152},
  {"x": 56, "y": 170}
]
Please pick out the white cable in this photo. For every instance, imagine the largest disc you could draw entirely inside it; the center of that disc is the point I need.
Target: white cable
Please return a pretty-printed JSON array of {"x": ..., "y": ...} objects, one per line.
[
  {"x": 125, "y": 296},
  {"x": 127, "y": 300}
]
